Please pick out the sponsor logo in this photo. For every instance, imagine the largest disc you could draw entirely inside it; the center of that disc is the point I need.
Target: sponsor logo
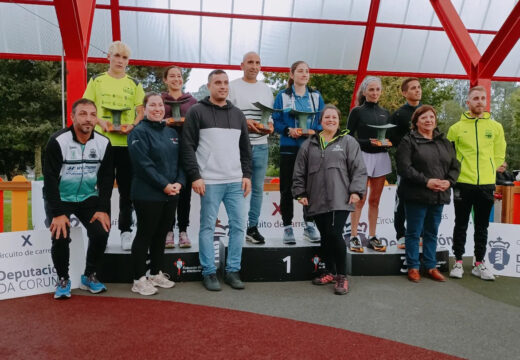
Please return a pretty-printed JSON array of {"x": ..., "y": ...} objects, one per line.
[
  {"x": 337, "y": 147},
  {"x": 316, "y": 261},
  {"x": 93, "y": 154},
  {"x": 179, "y": 264},
  {"x": 488, "y": 134},
  {"x": 174, "y": 140},
  {"x": 498, "y": 255}
]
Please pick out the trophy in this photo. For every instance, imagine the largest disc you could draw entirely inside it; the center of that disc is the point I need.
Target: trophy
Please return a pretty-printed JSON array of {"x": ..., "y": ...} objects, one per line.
[
  {"x": 381, "y": 134},
  {"x": 116, "y": 114},
  {"x": 175, "y": 119},
  {"x": 302, "y": 117},
  {"x": 263, "y": 125}
]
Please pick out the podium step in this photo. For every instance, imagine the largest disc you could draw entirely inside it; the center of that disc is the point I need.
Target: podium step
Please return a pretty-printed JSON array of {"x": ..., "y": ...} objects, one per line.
[
  {"x": 392, "y": 262},
  {"x": 275, "y": 261},
  {"x": 180, "y": 264}
]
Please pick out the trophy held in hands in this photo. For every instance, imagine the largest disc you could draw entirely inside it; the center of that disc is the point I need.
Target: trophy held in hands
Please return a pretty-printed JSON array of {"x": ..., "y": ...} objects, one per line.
[
  {"x": 263, "y": 125},
  {"x": 116, "y": 114},
  {"x": 381, "y": 135},
  {"x": 175, "y": 119},
  {"x": 302, "y": 117}
]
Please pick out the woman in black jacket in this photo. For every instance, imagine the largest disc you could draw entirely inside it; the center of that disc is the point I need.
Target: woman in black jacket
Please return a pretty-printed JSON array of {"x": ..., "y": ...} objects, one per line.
[
  {"x": 157, "y": 181},
  {"x": 330, "y": 178},
  {"x": 375, "y": 154},
  {"x": 428, "y": 166}
]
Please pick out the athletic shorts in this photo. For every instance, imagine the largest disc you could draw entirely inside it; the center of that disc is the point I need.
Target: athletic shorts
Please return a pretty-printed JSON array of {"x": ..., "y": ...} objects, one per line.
[{"x": 377, "y": 164}]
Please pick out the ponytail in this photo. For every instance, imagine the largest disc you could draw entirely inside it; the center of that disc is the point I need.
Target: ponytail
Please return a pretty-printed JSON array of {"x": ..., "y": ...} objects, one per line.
[
  {"x": 360, "y": 98},
  {"x": 293, "y": 69}
]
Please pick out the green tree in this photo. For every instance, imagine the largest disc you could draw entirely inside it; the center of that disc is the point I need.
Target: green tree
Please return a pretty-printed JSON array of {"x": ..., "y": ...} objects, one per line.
[{"x": 30, "y": 99}]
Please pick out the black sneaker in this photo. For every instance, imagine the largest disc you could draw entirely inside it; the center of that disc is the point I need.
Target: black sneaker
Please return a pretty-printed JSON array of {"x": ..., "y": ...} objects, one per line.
[
  {"x": 253, "y": 236},
  {"x": 211, "y": 282},
  {"x": 376, "y": 244},
  {"x": 233, "y": 280}
]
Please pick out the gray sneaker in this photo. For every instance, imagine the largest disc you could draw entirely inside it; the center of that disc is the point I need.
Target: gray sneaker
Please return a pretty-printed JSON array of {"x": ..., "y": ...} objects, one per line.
[
  {"x": 211, "y": 282},
  {"x": 288, "y": 236},
  {"x": 233, "y": 280},
  {"x": 311, "y": 234}
]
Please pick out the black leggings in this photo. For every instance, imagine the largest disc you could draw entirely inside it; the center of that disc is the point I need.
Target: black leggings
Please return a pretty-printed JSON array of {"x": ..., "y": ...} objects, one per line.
[
  {"x": 183, "y": 208},
  {"x": 154, "y": 220},
  {"x": 333, "y": 250},
  {"x": 123, "y": 171}
]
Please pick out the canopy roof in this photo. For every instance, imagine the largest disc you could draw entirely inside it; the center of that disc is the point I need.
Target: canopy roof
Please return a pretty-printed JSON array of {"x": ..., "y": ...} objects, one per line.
[{"x": 331, "y": 35}]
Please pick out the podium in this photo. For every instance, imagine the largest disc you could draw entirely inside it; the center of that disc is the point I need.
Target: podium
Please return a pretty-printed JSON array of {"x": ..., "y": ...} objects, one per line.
[
  {"x": 275, "y": 261},
  {"x": 181, "y": 264},
  {"x": 391, "y": 262}
]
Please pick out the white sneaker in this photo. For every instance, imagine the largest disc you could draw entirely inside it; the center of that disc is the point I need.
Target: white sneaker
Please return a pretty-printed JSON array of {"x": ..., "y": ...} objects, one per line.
[
  {"x": 162, "y": 280},
  {"x": 144, "y": 286},
  {"x": 126, "y": 240},
  {"x": 482, "y": 272},
  {"x": 457, "y": 271}
]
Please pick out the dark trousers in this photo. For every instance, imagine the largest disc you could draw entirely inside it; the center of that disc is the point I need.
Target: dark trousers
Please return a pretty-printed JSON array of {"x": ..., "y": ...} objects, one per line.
[
  {"x": 399, "y": 218},
  {"x": 97, "y": 241},
  {"x": 123, "y": 171},
  {"x": 154, "y": 220},
  {"x": 332, "y": 248},
  {"x": 481, "y": 199},
  {"x": 183, "y": 208},
  {"x": 286, "y": 199}
]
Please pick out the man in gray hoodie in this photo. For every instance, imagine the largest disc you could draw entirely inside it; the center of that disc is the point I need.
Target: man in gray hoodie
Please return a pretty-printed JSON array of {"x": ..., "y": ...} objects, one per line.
[{"x": 216, "y": 152}]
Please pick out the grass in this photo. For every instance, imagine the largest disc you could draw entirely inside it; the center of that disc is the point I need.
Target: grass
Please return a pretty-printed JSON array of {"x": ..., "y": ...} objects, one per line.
[{"x": 7, "y": 211}]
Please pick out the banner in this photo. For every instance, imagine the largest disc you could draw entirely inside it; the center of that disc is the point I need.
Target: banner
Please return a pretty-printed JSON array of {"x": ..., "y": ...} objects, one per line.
[
  {"x": 271, "y": 226},
  {"x": 26, "y": 266}
]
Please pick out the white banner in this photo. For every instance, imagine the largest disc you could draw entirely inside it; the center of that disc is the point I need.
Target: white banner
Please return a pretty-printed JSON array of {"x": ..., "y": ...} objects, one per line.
[
  {"x": 26, "y": 266},
  {"x": 271, "y": 226}
]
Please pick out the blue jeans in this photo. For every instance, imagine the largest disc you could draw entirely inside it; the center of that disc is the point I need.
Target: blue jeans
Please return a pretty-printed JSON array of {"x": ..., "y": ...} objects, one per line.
[
  {"x": 232, "y": 196},
  {"x": 425, "y": 218},
  {"x": 259, "y": 166}
]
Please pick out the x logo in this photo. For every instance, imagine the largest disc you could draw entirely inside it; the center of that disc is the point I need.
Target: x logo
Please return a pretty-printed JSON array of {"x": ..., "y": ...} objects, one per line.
[
  {"x": 276, "y": 209},
  {"x": 26, "y": 240}
]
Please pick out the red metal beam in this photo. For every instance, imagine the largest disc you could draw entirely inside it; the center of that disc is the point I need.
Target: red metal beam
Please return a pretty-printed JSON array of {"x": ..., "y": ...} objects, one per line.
[
  {"x": 116, "y": 23},
  {"x": 75, "y": 20},
  {"x": 501, "y": 45},
  {"x": 458, "y": 34},
  {"x": 367, "y": 47},
  {"x": 264, "y": 68}
]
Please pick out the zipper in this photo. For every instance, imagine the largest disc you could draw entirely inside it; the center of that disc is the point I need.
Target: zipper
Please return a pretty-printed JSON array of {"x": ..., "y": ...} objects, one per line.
[
  {"x": 82, "y": 172},
  {"x": 492, "y": 167},
  {"x": 476, "y": 139}
]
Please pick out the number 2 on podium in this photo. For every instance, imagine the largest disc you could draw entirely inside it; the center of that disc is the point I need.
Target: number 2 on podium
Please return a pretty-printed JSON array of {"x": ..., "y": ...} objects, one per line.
[{"x": 287, "y": 260}]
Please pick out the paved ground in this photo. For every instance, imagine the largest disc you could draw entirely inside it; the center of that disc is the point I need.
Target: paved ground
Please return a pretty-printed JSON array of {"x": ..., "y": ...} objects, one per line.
[{"x": 459, "y": 317}]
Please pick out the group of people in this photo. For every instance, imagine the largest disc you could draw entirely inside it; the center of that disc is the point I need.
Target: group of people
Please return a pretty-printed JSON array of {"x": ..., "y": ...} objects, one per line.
[{"x": 220, "y": 152}]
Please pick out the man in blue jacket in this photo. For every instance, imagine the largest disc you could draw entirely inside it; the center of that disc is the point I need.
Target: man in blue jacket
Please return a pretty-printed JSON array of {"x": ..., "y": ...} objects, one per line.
[
  {"x": 78, "y": 179},
  {"x": 216, "y": 152}
]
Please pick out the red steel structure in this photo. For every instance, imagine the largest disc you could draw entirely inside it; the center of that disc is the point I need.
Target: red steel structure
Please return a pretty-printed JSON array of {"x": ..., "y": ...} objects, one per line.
[{"x": 75, "y": 19}]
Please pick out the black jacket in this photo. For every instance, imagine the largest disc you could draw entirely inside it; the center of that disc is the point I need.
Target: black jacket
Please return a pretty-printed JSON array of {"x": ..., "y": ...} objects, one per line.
[
  {"x": 358, "y": 120},
  {"x": 420, "y": 159},
  {"x": 154, "y": 151},
  {"x": 402, "y": 117}
]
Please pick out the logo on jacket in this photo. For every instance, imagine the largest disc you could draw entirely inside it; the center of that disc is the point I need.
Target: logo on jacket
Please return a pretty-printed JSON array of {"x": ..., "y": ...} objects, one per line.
[
  {"x": 337, "y": 147},
  {"x": 488, "y": 134},
  {"x": 93, "y": 154},
  {"x": 498, "y": 255},
  {"x": 174, "y": 140}
]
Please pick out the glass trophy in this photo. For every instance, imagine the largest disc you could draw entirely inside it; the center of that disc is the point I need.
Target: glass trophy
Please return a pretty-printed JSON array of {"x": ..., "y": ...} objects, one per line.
[
  {"x": 116, "y": 115},
  {"x": 263, "y": 125},
  {"x": 381, "y": 135},
  {"x": 301, "y": 117},
  {"x": 175, "y": 118}
]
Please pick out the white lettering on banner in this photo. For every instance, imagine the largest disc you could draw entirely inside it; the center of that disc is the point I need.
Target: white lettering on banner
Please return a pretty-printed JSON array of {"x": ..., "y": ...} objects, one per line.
[
  {"x": 29, "y": 271},
  {"x": 271, "y": 226}
]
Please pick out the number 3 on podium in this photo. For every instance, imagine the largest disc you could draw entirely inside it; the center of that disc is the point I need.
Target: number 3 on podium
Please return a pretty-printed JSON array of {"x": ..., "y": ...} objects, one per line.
[{"x": 287, "y": 260}]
